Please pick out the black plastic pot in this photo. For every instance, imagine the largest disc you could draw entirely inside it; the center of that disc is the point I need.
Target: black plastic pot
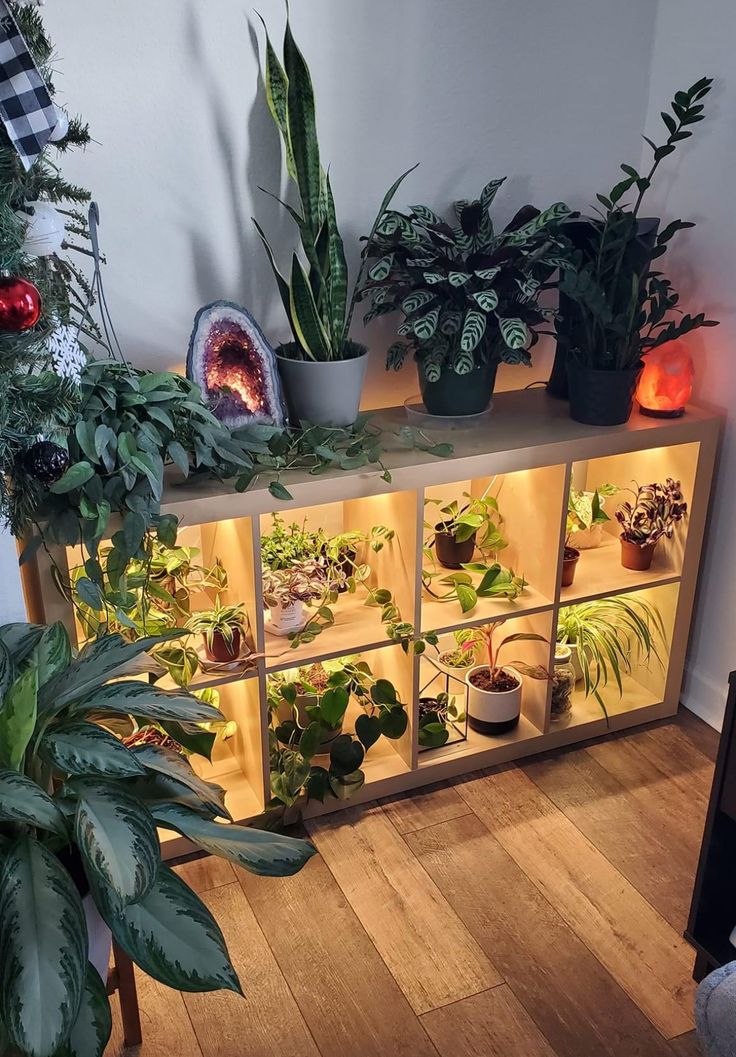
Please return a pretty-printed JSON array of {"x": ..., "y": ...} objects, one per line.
[
  {"x": 601, "y": 398},
  {"x": 451, "y": 553},
  {"x": 569, "y": 327},
  {"x": 458, "y": 394}
]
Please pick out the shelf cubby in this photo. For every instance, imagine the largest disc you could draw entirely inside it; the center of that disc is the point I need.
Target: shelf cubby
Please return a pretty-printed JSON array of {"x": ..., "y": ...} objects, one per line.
[{"x": 530, "y": 452}]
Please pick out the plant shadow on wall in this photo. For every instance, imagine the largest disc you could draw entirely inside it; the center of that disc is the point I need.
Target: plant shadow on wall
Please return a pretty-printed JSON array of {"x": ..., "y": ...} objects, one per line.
[{"x": 83, "y": 788}]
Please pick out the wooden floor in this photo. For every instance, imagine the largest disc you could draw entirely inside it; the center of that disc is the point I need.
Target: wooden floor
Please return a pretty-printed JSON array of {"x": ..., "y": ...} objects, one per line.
[{"x": 530, "y": 911}]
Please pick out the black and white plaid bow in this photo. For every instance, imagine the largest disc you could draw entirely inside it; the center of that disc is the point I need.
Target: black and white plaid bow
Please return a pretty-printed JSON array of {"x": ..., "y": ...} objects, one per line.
[{"x": 26, "y": 108}]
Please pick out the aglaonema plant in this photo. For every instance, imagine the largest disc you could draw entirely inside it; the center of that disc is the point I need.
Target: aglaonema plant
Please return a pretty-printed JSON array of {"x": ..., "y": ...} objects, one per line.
[{"x": 79, "y": 811}]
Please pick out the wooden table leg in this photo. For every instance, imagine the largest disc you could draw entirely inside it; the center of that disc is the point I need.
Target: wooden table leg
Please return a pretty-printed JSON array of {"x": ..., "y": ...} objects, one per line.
[{"x": 129, "y": 1012}]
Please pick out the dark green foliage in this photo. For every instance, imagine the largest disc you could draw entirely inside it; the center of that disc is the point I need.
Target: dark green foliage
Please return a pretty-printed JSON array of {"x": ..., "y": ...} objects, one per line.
[
  {"x": 31, "y": 395},
  {"x": 622, "y": 312},
  {"x": 468, "y": 294}
]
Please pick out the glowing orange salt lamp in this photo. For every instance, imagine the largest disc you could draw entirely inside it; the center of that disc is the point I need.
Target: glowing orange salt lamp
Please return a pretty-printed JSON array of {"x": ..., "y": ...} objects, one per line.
[{"x": 666, "y": 383}]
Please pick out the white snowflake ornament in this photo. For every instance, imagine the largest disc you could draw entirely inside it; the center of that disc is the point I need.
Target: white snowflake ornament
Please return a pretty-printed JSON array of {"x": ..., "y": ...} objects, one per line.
[{"x": 66, "y": 353}]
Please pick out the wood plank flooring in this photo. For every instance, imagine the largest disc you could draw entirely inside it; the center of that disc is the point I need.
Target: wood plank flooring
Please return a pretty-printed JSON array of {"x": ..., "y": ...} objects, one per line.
[{"x": 530, "y": 911}]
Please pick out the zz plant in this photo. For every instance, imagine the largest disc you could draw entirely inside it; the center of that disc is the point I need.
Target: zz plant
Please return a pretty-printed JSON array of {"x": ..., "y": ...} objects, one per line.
[
  {"x": 469, "y": 294},
  {"x": 80, "y": 810}
]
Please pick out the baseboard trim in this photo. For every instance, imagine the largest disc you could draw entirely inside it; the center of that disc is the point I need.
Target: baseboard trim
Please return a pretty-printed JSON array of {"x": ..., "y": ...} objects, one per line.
[{"x": 704, "y": 697}]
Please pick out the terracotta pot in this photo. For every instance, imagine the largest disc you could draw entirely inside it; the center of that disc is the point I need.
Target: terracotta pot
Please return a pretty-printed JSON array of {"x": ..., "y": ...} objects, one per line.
[
  {"x": 493, "y": 711},
  {"x": 450, "y": 553},
  {"x": 570, "y": 561},
  {"x": 635, "y": 557},
  {"x": 219, "y": 649}
]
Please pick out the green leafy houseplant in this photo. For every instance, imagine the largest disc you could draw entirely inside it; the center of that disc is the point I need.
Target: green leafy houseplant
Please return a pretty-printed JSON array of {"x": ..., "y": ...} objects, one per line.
[
  {"x": 619, "y": 307},
  {"x": 474, "y": 581},
  {"x": 437, "y": 716},
  {"x": 585, "y": 510},
  {"x": 315, "y": 296},
  {"x": 308, "y": 707},
  {"x": 653, "y": 515},
  {"x": 75, "y": 802},
  {"x": 469, "y": 295},
  {"x": 609, "y": 637},
  {"x": 224, "y": 628},
  {"x": 463, "y": 529}
]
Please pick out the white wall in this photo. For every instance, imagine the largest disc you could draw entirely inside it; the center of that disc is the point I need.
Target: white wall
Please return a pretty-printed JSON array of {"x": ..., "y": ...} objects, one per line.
[{"x": 700, "y": 187}]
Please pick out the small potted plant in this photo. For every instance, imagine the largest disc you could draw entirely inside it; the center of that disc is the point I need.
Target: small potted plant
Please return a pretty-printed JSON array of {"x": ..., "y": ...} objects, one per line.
[
  {"x": 570, "y": 559},
  {"x": 586, "y": 516},
  {"x": 322, "y": 369},
  {"x": 463, "y": 528},
  {"x": 287, "y": 594},
  {"x": 564, "y": 677},
  {"x": 310, "y": 694},
  {"x": 494, "y": 690},
  {"x": 436, "y": 716},
  {"x": 223, "y": 628},
  {"x": 462, "y": 655},
  {"x": 469, "y": 293},
  {"x": 653, "y": 514}
]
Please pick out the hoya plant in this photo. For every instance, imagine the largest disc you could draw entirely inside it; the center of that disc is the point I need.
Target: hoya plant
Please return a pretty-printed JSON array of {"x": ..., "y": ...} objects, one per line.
[
  {"x": 79, "y": 812},
  {"x": 469, "y": 294}
]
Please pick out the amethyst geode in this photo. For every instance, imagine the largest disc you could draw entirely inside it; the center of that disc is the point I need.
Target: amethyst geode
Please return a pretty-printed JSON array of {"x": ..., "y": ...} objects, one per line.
[{"x": 233, "y": 364}]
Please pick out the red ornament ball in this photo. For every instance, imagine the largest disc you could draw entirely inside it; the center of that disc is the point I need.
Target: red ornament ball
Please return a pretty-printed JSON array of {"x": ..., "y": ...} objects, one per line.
[{"x": 20, "y": 304}]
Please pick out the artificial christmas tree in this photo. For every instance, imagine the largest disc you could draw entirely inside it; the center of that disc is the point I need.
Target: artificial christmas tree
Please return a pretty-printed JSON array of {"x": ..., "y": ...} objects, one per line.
[{"x": 37, "y": 385}]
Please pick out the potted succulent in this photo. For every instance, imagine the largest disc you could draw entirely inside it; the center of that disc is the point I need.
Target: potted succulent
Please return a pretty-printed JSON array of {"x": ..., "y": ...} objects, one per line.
[
  {"x": 437, "y": 715},
  {"x": 655, "y": 511},
  {"x": 224, "y": 629},
  {"x": 621, "y": 308},
  {"x": 608, "y": 637},
  {"x": 463, "y": 528},
  {"x": 494, "y": 690},
  {"x": 469, "y": 294},
  {"x": 321, "y": 368},
  {"x": 79, "y": 838}
]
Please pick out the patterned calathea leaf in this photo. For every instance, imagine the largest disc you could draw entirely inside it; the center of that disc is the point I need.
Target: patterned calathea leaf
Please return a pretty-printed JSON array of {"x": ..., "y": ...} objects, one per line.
[
  {"x": 172, "y": 936},
  {"x": 85, "y": 749},
  {"x": 18, "y": 718},
  {"x": 463, "y": 362},
  {"x": 172, "y": 765},
  {"x": 91, "y": 1030},
  {"x": 267, "y": 854},
  {"x": 416, "y": 300},
  {"x": 474, "y": 328},
  {"x": 487, "y": 299},
  {"x": 515, "y": 333},
  {"x": 43, "y": 939},
  {"x": 382, "y": 269},
  {"x": 20, "y": 639},
  {"x": 53, "y": 653},
  {"x": 21, "y": 800},
  {"x": 458, "y": 278},
  {"x": 426, "y": 326},
  {"x": 116, "y": 836},
  {"x": 133, "y": 697}
]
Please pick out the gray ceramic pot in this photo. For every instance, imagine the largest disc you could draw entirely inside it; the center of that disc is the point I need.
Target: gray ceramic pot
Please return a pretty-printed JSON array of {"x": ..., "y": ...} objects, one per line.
[
  {"x": 715, "y": 1012},
  {"x": 324, "y": 393}
]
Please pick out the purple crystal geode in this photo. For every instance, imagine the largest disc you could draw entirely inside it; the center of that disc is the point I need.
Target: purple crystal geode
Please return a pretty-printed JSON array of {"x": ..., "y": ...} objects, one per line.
[{"x": 233, "y": 364}]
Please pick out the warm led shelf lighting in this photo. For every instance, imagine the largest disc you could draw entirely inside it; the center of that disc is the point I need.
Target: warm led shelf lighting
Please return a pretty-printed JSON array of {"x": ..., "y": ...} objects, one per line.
[{"x": 666, "y": 383}]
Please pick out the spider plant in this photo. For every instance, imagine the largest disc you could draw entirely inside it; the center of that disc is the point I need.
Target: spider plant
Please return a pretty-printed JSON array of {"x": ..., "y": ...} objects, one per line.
[{"x": 611, "y": 635}]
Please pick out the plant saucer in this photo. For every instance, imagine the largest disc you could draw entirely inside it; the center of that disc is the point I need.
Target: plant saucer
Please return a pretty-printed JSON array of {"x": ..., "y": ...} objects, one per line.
[{"x": 245, "y": 660}]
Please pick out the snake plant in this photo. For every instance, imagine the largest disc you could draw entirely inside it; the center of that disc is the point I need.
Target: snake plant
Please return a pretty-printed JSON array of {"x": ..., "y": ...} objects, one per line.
[
  {"x": 75, "y": 801},
  {"x": 315, "y": 299}
]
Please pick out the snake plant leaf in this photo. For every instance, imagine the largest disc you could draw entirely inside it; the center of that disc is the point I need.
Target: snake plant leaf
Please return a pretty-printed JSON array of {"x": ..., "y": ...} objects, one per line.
[
  {"x": 133, "y": 697},
  {"x": 281, "y": 283},
  {"x": 338, "y": 274},
  {"x": 53, "y": 653},
  {"x": 18, "y": 719},
  {"x": 515, "y": 333},
  {"x": 21, "y": 800},
  {"x": 91, "y": 1030},
  {"x": 43, "y": 937},
  {"x": 260, "y": 852},
  {"x": 487, "y": 299},
  {"x": 554, "y": 214},
  {"x": 173, "y": 937},
  {"x": 94, "y": 665},
  {"x": 426, "y": 326},
  {"x": 20, "y": 639},
  {"x": 116, "y": 836},
  {"x": 305, "y": 319},
  {"x": 474, "y": 328},
  {"x": 277, "y": 88},
  {"x": 302, "y": 130},
  {"x": 172, "y": 765},
  {"x": 85, "y": 749}
]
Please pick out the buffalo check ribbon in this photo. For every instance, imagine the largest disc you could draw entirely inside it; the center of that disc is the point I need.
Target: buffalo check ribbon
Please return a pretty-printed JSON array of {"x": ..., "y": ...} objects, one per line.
[{"x": 26, "y": 108}]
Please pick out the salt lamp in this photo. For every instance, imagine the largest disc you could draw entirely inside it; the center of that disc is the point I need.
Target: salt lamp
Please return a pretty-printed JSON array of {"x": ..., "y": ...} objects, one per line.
[
  {"x": 234, "y": 366},
  {"x": 666, "y": 383}
]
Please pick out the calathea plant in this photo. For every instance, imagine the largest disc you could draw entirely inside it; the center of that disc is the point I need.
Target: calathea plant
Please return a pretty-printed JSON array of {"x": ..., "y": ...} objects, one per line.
[
  {"x": 469, "y": 294},
  {"x": 316, "y": 295},
  {"x": 615, "y": 308},
  {"x": 79, "y": 812}
]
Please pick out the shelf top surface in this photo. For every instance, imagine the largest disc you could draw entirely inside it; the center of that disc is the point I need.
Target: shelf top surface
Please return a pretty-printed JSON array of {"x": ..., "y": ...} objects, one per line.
[{"x": 521, "y": 422}]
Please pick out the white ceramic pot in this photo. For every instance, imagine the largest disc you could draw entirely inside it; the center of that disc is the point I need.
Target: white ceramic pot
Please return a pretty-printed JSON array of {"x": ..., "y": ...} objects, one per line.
[
  {"x": 323, "y": 393},
  {"x": 589, "y": 538},
  {"x": 285, "y": 619},
  {"x": 575, "y": 661},
  {"x": 491, "y": 711}
]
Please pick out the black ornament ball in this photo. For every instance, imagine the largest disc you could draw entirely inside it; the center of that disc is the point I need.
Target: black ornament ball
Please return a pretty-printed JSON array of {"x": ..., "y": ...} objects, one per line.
[{"x": 46, "y": 461}]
